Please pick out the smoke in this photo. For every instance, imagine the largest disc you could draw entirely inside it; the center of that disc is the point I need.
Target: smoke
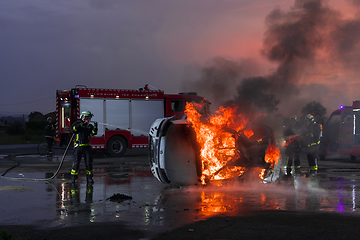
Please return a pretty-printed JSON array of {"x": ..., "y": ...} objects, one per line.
[
  {"x": 253, "y": 96},
  {"x": 356, "y": 2},
  {"x": 310, "y": 45},
  {"x": 219, "y": 78},
  {"x": 292, "y": 40}
]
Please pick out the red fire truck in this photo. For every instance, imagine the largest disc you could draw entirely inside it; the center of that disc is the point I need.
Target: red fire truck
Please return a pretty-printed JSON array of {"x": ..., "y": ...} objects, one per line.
[
  {"x": 124, "y": 116},
  {"x": 341, "y": 133}
]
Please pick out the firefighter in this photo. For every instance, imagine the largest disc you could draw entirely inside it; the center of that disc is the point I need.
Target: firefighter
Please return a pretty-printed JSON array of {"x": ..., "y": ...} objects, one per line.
[
  {"x": 292, "y": 146},
  {"x": 83, "y": 130},
  {"x": 49, "y": 135},
  {"x": 311, "y": 143}
]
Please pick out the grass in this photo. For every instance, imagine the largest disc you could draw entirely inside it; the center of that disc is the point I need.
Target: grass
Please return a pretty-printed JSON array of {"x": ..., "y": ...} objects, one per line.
[
  {"x": 26, "y": 138},
  {"x": 5, "y": 236}
]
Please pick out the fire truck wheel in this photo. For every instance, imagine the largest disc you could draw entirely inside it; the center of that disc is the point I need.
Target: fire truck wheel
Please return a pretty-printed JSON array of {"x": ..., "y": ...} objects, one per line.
[{"x": 116, "y": 146}]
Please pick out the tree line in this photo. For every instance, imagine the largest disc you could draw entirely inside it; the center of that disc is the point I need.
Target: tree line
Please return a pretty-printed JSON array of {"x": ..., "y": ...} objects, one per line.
[{"x": 17, "y": 125}]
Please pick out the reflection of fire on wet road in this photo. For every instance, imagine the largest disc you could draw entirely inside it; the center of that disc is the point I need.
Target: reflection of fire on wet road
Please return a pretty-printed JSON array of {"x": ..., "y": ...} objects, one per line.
[
  {"x": 231, "y": 202},
  {"x": 214, "y": 203},
  {"x": 188, "y": 204},
  {"x": 198, "y": 203},
  {"x": 223, "y": 141}
]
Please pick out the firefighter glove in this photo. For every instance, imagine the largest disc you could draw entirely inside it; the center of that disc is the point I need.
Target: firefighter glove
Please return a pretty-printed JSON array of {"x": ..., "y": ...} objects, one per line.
[{"x": 95, "y": 124}]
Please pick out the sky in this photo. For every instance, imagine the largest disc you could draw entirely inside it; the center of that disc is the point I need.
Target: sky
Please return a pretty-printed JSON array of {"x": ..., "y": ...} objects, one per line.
[{"x": 306, "y": 50}]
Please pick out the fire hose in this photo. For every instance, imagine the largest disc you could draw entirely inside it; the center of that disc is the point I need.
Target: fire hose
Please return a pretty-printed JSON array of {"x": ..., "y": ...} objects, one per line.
[{"x": 40, "y": 179}]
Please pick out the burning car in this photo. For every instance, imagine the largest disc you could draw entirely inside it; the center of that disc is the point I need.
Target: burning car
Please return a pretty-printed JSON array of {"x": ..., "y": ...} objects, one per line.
[{"x": 200, "y": 151}]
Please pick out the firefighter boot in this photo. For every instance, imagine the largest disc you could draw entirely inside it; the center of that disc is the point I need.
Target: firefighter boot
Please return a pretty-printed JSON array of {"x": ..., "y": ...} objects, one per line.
[
  {"x": 288, "y": 171},
  {"x": 314, "y": 169},
  {"x": 288, "y": 175},
  {"x": 89, "y": 179},
  {"x": 313, "y": 173},
  {"x": 297, "y": 171},
  {"x": 74, "y": 178}
]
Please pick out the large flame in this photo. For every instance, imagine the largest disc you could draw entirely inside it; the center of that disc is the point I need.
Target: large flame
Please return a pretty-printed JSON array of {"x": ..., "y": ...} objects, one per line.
[{"x": 217, "y": 144}]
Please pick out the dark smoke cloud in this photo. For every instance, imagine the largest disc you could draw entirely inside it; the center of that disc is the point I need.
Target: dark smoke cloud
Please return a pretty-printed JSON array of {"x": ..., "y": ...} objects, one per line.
[
  {"x": 220, "y": 77},
  {"x": 253, "y": 96},
  {"x": 356, "y": 2},
  {"x": 293, "y": 38},
  {"x": 345, "y": 44},
  {"x": 293, "y": 41}
]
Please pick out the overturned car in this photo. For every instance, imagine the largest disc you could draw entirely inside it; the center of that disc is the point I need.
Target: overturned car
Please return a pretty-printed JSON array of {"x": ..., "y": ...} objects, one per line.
[{"x": 196, "y": 151}]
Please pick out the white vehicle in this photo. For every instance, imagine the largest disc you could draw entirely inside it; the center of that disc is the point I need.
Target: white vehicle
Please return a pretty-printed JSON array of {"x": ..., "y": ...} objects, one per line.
[{"x": 174, "y": 154}]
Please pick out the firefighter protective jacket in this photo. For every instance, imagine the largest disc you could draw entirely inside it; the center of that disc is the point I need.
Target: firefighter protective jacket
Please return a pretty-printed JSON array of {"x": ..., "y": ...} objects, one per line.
[
  {"x": 49, "y": 130},
  {"x": 312, "y": 134},
  {"x": 83, "y": 132},
  {"x": 292, "y": 138}
]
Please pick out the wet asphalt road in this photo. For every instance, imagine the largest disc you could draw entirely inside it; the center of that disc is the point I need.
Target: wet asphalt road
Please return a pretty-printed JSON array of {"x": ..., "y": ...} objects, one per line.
[{"x": 130, "y": 203}]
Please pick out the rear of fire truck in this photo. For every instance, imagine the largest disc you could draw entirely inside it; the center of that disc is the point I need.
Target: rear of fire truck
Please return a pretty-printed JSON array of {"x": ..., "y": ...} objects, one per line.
[{"x": 342, "y": 132}]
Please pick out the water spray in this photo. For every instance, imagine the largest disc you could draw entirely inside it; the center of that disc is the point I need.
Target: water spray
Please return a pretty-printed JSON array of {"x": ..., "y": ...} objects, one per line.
[{"x": 140, "y": 132}]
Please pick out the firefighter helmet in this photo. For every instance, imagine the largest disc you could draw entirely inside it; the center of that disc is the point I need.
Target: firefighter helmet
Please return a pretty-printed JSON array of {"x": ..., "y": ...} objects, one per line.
[
  {"x": 85, "y": 114},
  {"x": 309, "y": 117},
  {"x": 49, "y": 118},
  {"x": 294, "y": 117}
]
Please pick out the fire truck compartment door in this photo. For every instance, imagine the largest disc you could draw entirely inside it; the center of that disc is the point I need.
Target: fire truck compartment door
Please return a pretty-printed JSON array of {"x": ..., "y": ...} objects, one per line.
[
  {"x": 143, "y": 114},
  {"x": 96, "y": 107},
  {"x": 117, "y": 114},
  {"x": 356, "y": 130},
  {"x": 345, "y": 139}
]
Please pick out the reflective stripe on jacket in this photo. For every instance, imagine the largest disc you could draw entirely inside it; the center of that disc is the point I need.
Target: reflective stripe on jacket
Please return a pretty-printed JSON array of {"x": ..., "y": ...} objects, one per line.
[
  {"x": 83, "y": 132},
  {"x": 312, "y": 135},
  {"x": 50, "y": 130}
]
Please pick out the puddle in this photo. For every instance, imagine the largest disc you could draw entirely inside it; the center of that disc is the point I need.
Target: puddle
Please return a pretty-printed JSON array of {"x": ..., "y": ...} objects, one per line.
[
  {"x": 15, "y": 188},
  {"x": 152, "y": 205}
]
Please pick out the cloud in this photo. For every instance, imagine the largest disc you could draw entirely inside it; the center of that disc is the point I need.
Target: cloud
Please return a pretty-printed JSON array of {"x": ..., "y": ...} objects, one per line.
[
  {"x": 313, "y": 48},
  {"x": 49, "y": 45}
]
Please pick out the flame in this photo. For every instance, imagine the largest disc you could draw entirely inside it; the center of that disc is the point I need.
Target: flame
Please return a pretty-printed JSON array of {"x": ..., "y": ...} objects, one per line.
[
  {"x": 217, "y": 144},
  {"x": 248, "y": 133},
  {"x": 272, "y": 155}
]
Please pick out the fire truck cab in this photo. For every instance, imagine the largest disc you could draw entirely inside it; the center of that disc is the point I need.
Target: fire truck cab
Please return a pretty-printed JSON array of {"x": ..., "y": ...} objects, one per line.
[
  {"x": 124, "y": 116},
  {"x": 341, "y": 133}
]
